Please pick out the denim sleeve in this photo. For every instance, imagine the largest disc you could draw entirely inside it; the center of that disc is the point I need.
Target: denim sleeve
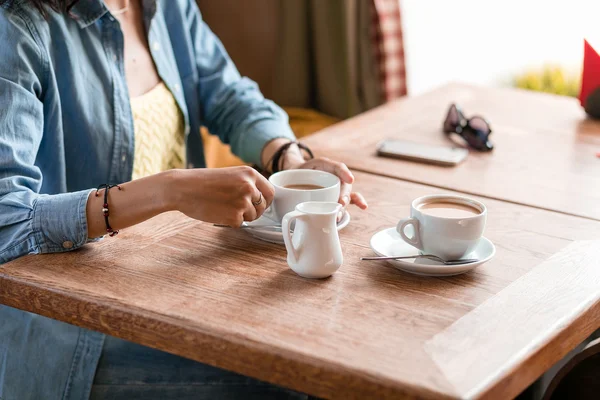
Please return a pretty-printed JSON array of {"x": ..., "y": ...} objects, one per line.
[
  {"x": 29, "y": 222},
  {"x": 233, "y": 107}
]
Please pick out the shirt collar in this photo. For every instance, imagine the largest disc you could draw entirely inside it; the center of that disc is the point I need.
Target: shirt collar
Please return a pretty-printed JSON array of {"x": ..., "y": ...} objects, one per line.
[{"x": 86, "y": 12}]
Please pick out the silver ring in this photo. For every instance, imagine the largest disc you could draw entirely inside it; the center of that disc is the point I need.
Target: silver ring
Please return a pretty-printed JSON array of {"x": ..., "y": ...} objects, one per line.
[{"x": 259, "y": 201}]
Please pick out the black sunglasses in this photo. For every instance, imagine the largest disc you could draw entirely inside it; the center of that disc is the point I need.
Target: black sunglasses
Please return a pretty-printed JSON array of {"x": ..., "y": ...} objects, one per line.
[{"x": 475, "y": 130}]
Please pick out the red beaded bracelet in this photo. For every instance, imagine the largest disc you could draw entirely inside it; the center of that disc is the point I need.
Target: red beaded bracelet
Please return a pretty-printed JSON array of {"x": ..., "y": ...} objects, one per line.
[{"x": 105, "y": 212}]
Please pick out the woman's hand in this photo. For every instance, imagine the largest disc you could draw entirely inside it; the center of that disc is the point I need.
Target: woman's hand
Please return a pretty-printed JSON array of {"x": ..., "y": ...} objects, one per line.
[
  {"x": 347, "y": 196},
  {"x": 293, "y": 159},
  {"x": 227, "y": 196}
]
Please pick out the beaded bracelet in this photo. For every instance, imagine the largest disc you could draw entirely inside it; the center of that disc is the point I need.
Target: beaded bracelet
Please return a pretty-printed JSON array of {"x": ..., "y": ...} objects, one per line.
[
  {"x": 282, "y": 150},
  {"x": 105, "y": 212}
]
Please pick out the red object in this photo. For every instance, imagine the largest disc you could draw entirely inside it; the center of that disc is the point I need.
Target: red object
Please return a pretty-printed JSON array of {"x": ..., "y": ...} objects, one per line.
[{"x": 590, "y": 78}]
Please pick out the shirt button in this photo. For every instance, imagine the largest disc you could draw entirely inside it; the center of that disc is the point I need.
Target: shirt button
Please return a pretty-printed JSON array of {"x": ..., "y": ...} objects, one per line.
[
  {"x": 123, "y": 157},
  {"x": 67, "y": 244},
  {"x": 110, "y": 17},
  {"x": 177, "y": 88},
  {"x": 155, "y": 46}
]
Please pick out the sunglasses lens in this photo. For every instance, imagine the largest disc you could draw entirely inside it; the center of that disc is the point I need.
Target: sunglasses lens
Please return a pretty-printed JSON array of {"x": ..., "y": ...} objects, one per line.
[
  {"x": 479, "y": 124},
  {"x": 452, "y": 119},
  {"x": 477, "y": 139},
  {"x": 480, "y": 132}
]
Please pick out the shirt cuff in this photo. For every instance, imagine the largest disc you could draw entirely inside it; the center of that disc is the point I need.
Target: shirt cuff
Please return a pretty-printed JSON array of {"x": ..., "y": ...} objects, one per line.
[
  {"x": 60, "y": 221},
  {"x": 261, "y": 133}
]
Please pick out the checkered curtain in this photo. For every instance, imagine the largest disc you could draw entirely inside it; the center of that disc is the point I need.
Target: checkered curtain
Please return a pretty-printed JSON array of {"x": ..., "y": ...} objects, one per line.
[{"x": 386, "y": 34}]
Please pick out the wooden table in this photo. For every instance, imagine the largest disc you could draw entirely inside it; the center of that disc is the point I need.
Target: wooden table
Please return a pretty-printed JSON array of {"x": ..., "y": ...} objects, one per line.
[
  {"x": 545, "y": 148},
  {"x": 220, "y": 297}
]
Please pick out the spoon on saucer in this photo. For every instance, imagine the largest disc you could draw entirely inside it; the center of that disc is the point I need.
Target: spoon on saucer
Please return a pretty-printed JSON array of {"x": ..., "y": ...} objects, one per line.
[
  {"x": 276, "y": 228},
  {"x": 429, "y": 256}
]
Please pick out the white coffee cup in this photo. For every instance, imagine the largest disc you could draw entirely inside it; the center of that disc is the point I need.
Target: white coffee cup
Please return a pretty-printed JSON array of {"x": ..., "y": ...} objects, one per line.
[
  {"x": 287, "y": 199},
  {"x": 450, "y": 238}
]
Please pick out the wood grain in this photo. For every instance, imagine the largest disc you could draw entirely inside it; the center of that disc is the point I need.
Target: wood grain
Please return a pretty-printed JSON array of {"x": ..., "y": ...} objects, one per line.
[
  {"x": 220, "y": 297},
  {"x": 544, "y": 156}
]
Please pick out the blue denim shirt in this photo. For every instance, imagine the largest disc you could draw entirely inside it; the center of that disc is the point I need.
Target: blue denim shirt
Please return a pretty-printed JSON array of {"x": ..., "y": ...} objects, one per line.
[{"x": 66, "y": 127}]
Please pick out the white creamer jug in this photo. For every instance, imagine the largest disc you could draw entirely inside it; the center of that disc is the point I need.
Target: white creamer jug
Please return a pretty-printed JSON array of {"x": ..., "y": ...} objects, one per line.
[{"x": 314, "y": 249}]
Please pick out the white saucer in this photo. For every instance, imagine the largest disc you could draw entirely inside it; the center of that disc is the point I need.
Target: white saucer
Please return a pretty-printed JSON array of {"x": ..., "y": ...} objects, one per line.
[
  {"x": 388, "y": 243},
  {"x": 276, "y": 236}
]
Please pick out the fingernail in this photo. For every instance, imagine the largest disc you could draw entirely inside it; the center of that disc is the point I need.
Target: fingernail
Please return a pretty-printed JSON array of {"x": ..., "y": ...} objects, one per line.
[{"x": 346, "y": 200}]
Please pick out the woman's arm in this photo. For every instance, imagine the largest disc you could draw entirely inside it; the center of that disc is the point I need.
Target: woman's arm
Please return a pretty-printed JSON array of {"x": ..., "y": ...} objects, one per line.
[
  {"x": 225, "y": 196},
  {"x": 232, "y": 107},
  {"x": 138, "y": 201},
  {"x": 31, "y": 222}
]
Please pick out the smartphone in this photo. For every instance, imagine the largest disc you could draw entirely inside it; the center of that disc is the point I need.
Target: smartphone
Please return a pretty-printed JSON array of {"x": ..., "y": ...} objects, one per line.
[{"x": 427, "y": 153}]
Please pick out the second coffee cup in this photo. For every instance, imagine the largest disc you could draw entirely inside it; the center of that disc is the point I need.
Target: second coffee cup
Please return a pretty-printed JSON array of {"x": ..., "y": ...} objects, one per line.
[
  {"x": 297, "y": 186},
  {"x": 447, "y": 226}
]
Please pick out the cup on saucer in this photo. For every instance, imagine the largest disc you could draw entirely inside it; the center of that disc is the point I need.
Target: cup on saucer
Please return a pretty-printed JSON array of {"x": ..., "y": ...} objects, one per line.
[
  {"x": 296, "y": 186},
  {"x": 293, "y": 187},
  {"x": 447, "y": 226}
]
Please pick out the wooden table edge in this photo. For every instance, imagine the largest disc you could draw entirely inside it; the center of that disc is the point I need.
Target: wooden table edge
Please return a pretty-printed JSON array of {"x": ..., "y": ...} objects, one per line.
[
  {"x": 351, "y": 383},
  {"x": 565, "y": 340}
]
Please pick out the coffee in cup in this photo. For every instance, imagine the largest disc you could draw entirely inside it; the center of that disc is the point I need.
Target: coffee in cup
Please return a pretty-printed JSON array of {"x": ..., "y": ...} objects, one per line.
[
  {"x": 447, "y": 209},
  {"x": 447, "y": 226},
  {"x": 303, "y": 187},
  {"x": 296, "y": 186}
]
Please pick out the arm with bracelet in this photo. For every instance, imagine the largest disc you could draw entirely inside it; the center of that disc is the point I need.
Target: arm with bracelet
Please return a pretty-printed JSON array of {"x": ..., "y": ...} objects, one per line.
[
  {"x": 53, "y": 155},
  {"x": 48, "y": 179}
]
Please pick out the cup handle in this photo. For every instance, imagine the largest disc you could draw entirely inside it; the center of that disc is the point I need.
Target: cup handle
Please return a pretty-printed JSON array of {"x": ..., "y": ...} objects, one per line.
[
  {"x": 287, "y": 235},
  {"x": 415, "y": 240}
]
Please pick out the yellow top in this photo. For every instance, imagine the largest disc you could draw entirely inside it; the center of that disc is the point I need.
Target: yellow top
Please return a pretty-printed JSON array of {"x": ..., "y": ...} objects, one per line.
[{"x": 159, "y": 132}]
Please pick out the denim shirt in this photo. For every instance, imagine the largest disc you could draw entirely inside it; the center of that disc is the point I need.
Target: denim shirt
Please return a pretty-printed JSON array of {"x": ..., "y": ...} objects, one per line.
[{"x": 66, "y": 127}]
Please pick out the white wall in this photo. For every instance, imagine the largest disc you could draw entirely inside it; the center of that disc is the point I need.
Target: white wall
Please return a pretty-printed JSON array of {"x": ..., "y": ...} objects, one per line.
[{"x": 487, "y": 41}]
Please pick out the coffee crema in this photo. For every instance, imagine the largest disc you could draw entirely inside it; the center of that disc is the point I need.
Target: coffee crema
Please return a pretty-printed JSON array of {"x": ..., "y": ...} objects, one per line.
[
  {"x": 448, "y": 209},
  {"x": 304, "y": 187}
]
